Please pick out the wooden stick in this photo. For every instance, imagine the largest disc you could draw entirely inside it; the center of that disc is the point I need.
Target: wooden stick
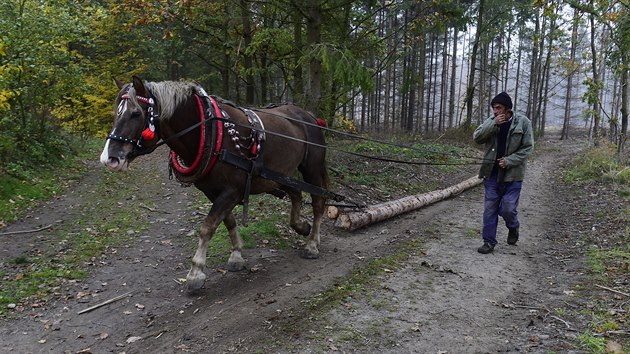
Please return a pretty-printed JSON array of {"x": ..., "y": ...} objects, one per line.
[
  {"x": 613, "y": 290},
  {"x": 607, "y": 333},
  {"x": 104, "y": 303},
  {"x": 561, "y": 320},
  {"x": 25, "y": 231}
]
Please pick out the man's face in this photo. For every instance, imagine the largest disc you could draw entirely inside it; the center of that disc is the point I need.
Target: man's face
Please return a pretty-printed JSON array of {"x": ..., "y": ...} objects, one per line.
[{"x": 498, "y": 109}]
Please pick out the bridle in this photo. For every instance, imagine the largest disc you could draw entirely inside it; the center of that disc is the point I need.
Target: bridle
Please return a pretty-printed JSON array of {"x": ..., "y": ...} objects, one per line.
[{"x": 150, "y": 131}]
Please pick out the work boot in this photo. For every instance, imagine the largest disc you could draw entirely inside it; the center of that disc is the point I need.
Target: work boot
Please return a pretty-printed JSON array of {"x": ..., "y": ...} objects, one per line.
[
  {"x": 486, "y": 248},
  {"x": 512, "y": 236}
]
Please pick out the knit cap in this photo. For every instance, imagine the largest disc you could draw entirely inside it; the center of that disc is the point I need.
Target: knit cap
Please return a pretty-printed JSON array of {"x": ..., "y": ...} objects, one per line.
[{"x": 502, "y": 98}]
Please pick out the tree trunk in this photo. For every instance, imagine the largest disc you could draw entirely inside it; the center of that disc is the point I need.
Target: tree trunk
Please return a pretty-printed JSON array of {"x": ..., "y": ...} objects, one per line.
[
  {"x": 443, "y": 84},
  {"x": 624, "y": 104},
  {"x": 470, "y": 88},
  {"x": 298, "y": 82},
  {"x": 379, "y": 212},
  {"x": 595, "y": 81},
  {"x": 247, "y": 59},
  {"x": 532, "y": 93},
  {"x": 571, "y": 74},
  {"x": 313, "y": 39},
  {"x": 451, "y": 101}
]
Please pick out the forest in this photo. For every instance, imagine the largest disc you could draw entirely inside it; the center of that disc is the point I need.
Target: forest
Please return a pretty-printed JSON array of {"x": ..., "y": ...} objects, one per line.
[{"x": 392, "y": 66}]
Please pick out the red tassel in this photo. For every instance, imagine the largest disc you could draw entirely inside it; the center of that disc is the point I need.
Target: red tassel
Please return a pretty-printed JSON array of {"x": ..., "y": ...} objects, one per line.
[
  {"x": 147, "y": 134},
  {"x": 321, "y": 122}
]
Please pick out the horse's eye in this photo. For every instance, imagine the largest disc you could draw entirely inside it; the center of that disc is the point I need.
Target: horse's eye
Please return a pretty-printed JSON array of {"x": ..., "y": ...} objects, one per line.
[{"x": 135, "y": 114}]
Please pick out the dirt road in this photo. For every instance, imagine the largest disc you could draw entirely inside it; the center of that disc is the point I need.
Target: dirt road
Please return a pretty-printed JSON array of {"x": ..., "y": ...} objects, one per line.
[{"x": 447, "y": 298}]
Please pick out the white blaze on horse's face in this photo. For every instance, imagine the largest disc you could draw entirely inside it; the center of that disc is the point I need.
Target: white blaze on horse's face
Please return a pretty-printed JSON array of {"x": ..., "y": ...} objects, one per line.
[{"x": 118, "y": 162}]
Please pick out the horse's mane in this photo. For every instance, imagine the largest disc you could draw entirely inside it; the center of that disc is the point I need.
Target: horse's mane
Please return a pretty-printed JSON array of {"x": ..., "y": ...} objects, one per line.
[{"x": 170, "y": 94}]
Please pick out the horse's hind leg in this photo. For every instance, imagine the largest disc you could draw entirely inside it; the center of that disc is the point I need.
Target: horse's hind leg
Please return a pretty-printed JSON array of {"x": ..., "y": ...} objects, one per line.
[
  {"x": 311, "y": 249},
  {"x": 300, "y": 226},
  {"x": 236, "y": 261}
]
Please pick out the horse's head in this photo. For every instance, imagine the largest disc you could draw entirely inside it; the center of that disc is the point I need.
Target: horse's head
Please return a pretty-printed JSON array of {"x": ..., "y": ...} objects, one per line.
[{"x": 135, "y": 126}]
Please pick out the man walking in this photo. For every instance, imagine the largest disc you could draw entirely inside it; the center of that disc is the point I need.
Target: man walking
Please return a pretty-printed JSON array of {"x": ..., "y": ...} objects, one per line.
[{"x": 509, "y": 140}]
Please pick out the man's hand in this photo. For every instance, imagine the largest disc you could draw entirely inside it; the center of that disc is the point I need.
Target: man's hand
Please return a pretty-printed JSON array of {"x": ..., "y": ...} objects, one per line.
[
  {"x": 502, "y": 163},
  {"x": 500, "y": 119}
]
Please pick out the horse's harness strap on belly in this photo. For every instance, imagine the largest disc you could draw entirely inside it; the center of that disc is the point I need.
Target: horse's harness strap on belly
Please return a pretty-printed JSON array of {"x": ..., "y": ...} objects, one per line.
[{"x": 246, "y": 165}]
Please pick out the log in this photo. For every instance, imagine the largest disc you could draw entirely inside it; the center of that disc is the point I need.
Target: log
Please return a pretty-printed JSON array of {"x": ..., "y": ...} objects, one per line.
[{"x": 379, "y": 212}]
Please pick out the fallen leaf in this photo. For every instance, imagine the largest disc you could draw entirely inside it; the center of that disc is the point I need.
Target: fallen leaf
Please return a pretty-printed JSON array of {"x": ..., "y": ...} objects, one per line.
[{"x": 103, "y": 335}]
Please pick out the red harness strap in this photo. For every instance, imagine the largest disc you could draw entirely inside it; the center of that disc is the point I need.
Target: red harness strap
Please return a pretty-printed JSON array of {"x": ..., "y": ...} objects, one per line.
[{"x": 216, "y": 148}]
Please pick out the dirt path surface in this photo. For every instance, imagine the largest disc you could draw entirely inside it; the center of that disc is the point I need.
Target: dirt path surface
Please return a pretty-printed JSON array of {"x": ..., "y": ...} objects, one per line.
[{"x": 445, "y": 299}]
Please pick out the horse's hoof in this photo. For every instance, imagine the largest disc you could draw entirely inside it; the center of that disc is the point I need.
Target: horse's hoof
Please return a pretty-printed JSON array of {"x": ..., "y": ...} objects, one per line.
[
  {"x": 310, "y": 254},
  {"x": 236, "y": 263},
  {"x": 303, "y": 228},
  {"x": 195, "y": 283},
  {"x": 235, "y": 266}
]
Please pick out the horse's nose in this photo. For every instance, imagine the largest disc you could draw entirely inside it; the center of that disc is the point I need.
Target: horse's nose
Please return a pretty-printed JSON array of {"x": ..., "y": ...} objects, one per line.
[{"x": 113, "y": 163}]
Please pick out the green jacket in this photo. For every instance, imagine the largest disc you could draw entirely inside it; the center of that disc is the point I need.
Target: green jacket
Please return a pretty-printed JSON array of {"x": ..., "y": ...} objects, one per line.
[{"x": 520, "y": 144}]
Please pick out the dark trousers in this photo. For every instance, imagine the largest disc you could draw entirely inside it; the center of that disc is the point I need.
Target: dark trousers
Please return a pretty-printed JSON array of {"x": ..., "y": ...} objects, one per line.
[{"x": 500, "y": 199}]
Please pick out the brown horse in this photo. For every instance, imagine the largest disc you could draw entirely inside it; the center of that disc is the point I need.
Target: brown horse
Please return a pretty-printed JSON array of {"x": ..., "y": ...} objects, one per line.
[{"x": 202, "y": 133}]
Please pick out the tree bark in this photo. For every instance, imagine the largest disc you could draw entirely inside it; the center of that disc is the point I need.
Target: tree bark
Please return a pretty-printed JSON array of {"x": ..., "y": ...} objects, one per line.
[
  {"x": 247, "y": 59},
  {"x": 595, "y": 81},
  {"x": 571, "y": 74},
  {"x": 451, "y": 101},
  {"x": 470, "y": 88},
  {"x": 624, "y": 104},
  {"x": 313, "y": 39}
]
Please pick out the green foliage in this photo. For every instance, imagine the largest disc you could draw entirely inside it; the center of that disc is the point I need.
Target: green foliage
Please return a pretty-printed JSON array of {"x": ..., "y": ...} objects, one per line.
[
  {"x": 28, "y": 179},
  {"x": 429, "y": 153},
  {"x": 344, "y": 67},
  {"x": 598, "y": 163},
  {"x": 606, "y": 260},
  {"x": 594, "y": 345}
]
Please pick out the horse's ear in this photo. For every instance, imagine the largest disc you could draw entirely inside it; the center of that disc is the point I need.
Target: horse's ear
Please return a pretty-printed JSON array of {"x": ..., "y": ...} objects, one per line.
[
  {"x": 118, "y": 83},
  {"x": 138, "y": 84}
]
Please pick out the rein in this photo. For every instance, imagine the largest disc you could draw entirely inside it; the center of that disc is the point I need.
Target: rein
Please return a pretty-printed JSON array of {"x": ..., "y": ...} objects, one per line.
[{"x": 182, "y": 170}]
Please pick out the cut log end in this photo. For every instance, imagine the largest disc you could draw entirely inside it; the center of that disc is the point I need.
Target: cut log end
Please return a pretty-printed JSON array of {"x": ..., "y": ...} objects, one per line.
[{"x": 332, "y": 212}]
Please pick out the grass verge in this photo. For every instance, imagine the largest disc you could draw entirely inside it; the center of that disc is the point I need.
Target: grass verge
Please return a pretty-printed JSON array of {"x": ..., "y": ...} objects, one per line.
[
  {"x": 65, "y": 254},
  {"x": 604, "y": 191}
]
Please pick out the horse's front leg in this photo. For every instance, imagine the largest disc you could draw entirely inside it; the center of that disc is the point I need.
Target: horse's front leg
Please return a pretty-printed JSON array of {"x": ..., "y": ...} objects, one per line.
[
  {"x": 236, "y": 262},
  {"x": 196, "y": 276}
]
